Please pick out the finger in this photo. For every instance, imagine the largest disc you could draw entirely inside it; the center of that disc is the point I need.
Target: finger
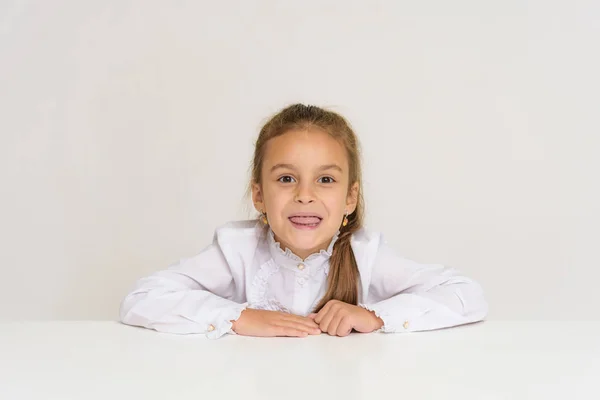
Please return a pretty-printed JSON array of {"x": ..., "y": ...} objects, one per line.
[
  {"x": 301, "y": 320},
  {"x": 289, "y": 331},
  {"x": 313, "y": 330},
  {"x": 326, "y": 320},
  {"x": 319, "y": 317},
  {"x": 322, "y": 312},
  {"x": 345, "y": 327},
  {"x": 330, "y": 308},
  {"x": 312, "y": 316},
  {"x": 335, "y": 323}
]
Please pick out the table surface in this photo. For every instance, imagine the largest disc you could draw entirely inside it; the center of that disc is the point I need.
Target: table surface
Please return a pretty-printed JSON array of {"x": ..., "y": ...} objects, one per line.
[{"x": 489, "y": 360}]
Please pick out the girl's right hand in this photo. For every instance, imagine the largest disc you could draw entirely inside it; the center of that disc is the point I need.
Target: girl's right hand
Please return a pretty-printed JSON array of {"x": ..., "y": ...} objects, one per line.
[{"x": 273, "y": 323}]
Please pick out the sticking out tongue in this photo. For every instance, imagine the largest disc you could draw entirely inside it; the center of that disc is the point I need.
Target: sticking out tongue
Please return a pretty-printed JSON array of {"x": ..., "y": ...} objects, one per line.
[{"x": 305, "y": 220}]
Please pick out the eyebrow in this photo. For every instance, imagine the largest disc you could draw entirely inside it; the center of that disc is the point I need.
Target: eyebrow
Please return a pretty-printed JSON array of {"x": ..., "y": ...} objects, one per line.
[{"x": 292, "y": 167}]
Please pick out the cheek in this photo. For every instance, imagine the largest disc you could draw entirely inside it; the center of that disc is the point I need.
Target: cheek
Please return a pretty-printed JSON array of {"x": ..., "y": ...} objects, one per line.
[
  {"x": 275, "y": 198},
  {"x": 335, "y": 201},
  {"x": 270, "y": 193}
]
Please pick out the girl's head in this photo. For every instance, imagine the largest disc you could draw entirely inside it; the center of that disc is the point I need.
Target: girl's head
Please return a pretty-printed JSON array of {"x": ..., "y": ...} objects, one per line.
[{"x": 306, "y": 177}]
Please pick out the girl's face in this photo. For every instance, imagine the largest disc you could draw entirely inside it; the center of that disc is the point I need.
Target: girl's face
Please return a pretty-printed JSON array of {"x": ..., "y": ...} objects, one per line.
[{"x": 304, "y": 189}]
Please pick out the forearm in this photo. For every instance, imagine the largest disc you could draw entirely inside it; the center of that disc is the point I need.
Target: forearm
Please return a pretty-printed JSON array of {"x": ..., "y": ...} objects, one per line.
[
  {"x": 179, "y": 310},
  {"x": 439, "y": 307}
]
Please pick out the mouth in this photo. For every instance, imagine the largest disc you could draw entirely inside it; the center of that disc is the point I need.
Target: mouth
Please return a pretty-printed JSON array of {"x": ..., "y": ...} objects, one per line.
[{"x": 305, "y": 221}]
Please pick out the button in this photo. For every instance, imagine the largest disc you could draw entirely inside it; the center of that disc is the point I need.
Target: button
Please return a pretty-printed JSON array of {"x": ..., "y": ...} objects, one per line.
[
  {"x": 405, "y": 325},
  {"x": 211, "y": 328},
  {"x": 300, "y": 267},
  {"x": 301, "y": 281}
]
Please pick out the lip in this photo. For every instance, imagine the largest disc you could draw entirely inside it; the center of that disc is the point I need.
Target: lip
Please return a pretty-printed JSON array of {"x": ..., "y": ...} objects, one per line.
[
  {"x": 305, "y": 214},
  {"x": 304, "y": 227}
]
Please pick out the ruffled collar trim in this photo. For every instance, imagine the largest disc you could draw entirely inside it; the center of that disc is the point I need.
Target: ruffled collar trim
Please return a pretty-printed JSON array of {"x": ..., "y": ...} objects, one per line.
[{"x": 276, "y": 248}]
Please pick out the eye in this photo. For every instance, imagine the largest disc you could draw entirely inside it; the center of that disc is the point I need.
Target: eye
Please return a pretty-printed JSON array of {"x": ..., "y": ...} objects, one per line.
[
  {"x": 326, "y": 179},
  {"x": 286, "y": 179}
]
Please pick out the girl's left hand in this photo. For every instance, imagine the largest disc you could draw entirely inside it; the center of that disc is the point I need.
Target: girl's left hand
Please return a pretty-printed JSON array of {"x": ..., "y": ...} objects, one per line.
[{"x": 338, "y": 319}]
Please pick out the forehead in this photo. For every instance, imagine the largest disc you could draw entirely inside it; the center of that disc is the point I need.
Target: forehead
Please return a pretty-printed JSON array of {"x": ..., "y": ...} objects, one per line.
[{"x": 306, "y": 148}]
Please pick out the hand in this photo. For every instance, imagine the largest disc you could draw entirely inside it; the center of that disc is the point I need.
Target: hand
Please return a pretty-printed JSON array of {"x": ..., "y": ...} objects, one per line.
[
  {"x": 338, "y": 319},
  {"x": 273, "y": 323}
]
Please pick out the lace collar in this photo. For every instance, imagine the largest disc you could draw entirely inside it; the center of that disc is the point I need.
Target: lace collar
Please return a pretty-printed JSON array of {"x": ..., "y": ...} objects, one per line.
[{"x": 288, "y": 258}]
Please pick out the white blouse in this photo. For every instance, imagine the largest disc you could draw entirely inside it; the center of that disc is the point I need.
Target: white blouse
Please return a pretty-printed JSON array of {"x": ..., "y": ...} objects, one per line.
[{"x": 246, "y": 267}]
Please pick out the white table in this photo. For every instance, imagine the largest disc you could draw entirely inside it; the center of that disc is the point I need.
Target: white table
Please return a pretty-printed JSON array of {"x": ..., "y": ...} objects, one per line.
[{"x": 490, "y": 360}]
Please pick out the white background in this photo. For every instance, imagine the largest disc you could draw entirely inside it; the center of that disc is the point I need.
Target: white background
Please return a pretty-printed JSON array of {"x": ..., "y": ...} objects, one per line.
[{"x": 127, "y": 130}]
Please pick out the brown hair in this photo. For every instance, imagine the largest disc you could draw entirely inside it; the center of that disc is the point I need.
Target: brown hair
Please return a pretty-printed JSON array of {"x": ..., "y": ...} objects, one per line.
[{"x": 343, "y": 271}]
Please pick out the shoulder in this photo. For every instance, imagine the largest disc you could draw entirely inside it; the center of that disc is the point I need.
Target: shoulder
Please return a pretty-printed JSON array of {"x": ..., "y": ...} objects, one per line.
[
  {"x": 365, "y": 245},
  {"x": 242, "y": 228},
  {"x": 366, "y": 238},
  {"x": 373, "y": 245},
  {"x": 239, "y": 239}
]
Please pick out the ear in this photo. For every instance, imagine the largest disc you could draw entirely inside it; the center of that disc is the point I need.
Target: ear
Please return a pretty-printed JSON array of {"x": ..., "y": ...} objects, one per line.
[
  {"x": 257, "y": 197},
  {"x": 352, "y": 199}
]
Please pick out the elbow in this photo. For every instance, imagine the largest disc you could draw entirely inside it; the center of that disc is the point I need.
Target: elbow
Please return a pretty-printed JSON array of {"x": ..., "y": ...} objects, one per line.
[
  {"x": 139, "y": 307},
  {"x": 468, "y": 297},
  {"x": 480, "y": 312},
  {"x": 124, "y": 310},
  {"x": 475, "y": 305},
  {"x": 127, "y": 310},
  {"x": 468, "y": 300}
]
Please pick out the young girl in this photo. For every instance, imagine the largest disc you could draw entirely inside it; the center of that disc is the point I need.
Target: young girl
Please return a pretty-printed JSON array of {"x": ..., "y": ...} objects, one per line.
[{"x": 306, "y": 266}]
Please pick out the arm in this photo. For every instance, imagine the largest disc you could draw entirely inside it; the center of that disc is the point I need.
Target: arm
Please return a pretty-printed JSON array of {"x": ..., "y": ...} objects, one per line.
[
  {"x": 409, "y": 296},
  {"x": 194, "y": 295}
]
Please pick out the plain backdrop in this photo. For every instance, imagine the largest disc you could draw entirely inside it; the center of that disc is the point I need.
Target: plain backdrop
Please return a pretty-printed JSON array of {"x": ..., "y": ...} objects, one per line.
[{"x": 127, "y": 130}]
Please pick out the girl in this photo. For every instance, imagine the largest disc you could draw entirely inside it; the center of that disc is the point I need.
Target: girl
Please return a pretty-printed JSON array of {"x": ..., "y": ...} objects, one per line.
[{"x": 307, "y": 265}]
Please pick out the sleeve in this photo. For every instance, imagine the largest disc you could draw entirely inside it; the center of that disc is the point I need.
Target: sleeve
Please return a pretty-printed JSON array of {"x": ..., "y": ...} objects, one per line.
[
  {"x": 194, "y": 295},
  {"x": 409, "y": 296}
]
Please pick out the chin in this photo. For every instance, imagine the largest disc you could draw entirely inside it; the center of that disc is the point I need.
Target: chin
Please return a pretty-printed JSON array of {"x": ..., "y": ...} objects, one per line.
[
  {"x": 305, "y": 243},
  {"x": 308, "y": 240}
]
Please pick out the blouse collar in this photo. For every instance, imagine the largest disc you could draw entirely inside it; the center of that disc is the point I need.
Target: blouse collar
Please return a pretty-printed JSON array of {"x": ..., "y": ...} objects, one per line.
[{"x": 288, "y": 258}]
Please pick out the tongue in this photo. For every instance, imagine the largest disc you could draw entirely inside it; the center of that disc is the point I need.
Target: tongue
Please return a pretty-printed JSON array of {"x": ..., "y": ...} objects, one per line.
[{"x": 305, "y": 220}]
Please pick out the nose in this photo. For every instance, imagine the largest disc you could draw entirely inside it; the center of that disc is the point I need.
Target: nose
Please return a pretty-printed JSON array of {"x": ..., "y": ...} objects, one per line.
[{"x": 304, "y": 194}]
